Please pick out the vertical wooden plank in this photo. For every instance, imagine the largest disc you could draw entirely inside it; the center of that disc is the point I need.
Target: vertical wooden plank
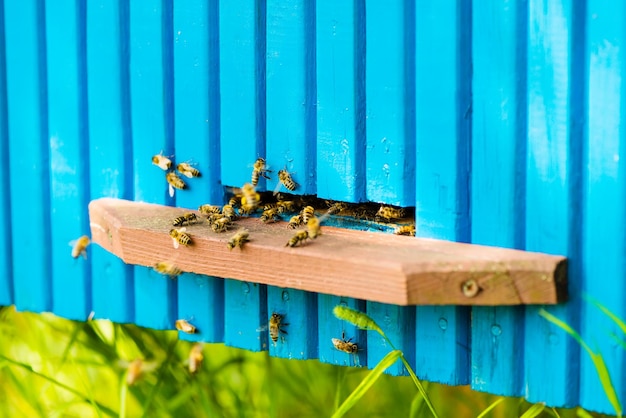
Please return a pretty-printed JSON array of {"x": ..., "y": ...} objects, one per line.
[
  {"x": 390, "y": 92},
  {"x": 196, "y": 99},
  {"x": 245, "y": 315},
  {"x": 498, "y": 178},
  {"x": 201, "y": 302},
  {"x": 6, "y": 257},
  {"x": 291, "y": 120},
  {"x": 604, "y": 200},
  {"x": 555, "y": 90},
  {"x": 330, "y": 327},
  {"x": 443, "y": 51},
  {"x": 110, "y": 145},
  {"x": 152, "y": 118},
  {"x": 398, "y": 324},
  {"x": 340, "y": 46},
  {"x": 242, "y": 89},
  {"x": 300, "y": 312},
  {"x": 69, "y": 159},
  {"x": 29, "y": 152}
]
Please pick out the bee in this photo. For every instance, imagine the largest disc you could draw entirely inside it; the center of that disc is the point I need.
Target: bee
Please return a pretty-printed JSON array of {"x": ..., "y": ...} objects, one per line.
[
  {"x": 405, "y": 230},
  {"x": 246, "y": 210},
  {"x": 295, "y": 221},
  {"x": 298, "y": 238},
  {"x": 286, "y": 206},
  {"x": 195, "y": 358},
  {"x": 307, "y": 212},
  {"x": 275, "y": 326},
  {"x": 184, "y": 326},
  {"x": 213, "y": 218},
  {"x": 313, "y": 227},
  {"x": 250, "y": 199},
  {"x": 168, "y": 268},
  {"x": 174, "y": 182},
  {"x": 134, "y": 371},
  {"x": 186, "y": 219},
  {"x": 259, "y": 169},
  {"x": 336, "y": 207},
  {"x": 220, "y": 225},
  {"x": 162, "y": 161},
  {"x": 229, "y": 212},
  {"x": 209, "y": 209},
  {"x": 388, "y": 213},
  {"x": 79, "y": 246},
  {"x": 235, "y": 201},
  {"x": 286, "y": 180},
  {"x": 179, "y": 236},
  {"x": 270, "y": 215},
  {"x": 187, "y": 170},
  {"x": 347, "y": 346},
  {"x": 239, "y": 239}
]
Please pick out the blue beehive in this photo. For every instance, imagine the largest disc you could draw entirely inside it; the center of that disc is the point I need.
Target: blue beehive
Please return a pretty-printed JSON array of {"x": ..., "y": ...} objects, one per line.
[{"x": 499, "y": 121}]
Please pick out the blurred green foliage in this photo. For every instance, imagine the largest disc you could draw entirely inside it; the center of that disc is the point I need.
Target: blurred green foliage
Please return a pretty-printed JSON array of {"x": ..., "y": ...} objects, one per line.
[{"x": 52, "y": 367}]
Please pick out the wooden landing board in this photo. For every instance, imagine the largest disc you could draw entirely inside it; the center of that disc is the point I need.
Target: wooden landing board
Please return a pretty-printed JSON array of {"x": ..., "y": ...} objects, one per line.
[{"x": 372, "y": 266}]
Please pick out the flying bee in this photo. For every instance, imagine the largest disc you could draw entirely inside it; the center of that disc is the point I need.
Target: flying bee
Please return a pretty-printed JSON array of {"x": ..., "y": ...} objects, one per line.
[
  {"x": 259, "y": 169},
  {"x": 313, "y": 227},
  {"x": 161, "y": 161},
  {"x": 180, "y": 236},
  {"x": 270, "y": 215},
  {"x": 250, "y": 199},
  {"x": 79, "y": 246},
  {"x": 388, "y": 213},
  {"x": 347, "y": 346},
  {"x": 229, "y": 212},
  {"x": 209, "y": 209},
  {"x": 336, "y": 207},
  {"x": 184, "y": 326},
  {"x": 167, "y": 268},
  {"x": 275, "y": 326},
  {"x": 286, "y": 206},
  {"x": 298, "y": 238},
  {"x": 188, "y": 170},
  {"x": 221, "y": 225},
  {"x": 307, "y": 212},
  {"x": 286, "y": 180},
  {"x": 295, "y": 221},
  {"x": 405, "y": 230},
  {"x": 186, "y": 219},
  {"x": 174, "y": 182},
  {"x": 239, "y": 239},
  {"x": 134, "y": 371},
  {"x": 195, "y": 358}
]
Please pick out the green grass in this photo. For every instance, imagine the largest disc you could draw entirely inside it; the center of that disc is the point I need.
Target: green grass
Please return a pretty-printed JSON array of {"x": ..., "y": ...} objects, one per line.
[{"x": 52, "y": 367}]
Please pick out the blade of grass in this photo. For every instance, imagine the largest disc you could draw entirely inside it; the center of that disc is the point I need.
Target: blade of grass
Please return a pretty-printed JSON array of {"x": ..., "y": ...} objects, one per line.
[
  {"x": 367, "y": 383},
  {"x": 607, "y": 312},
  {"x": 555, "y": 412},
  {"x": 534, "y": 410},
  {"x": 123, "y": 395},
  {"x": 581, "y": 413},
  {"x": 416, "y": 405},
  {"x": 160, "y": 376},
  {"x": 420, "y": 388},
  {"x": 88, "y": 389},
  {"x": 490, "y": 407}
]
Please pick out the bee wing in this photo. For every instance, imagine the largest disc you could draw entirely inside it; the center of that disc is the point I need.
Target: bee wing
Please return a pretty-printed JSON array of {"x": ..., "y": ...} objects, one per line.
[
  {"x": 277, "y": 188},
  {"x": 183, "y": 229},
  {"x": 175, "y": 243},
  {"x": 262, "y": 328},
  {"x": 171, "y": 190},
  {"x": 187, "y": 174},
  {"x": 72, "y": 243}
]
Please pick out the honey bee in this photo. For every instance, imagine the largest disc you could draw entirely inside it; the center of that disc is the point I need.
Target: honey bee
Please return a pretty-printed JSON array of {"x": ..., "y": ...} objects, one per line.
[
  {"x": 195, "y": 358},
  {"x": 388, "y": 213},
  {"x": 229, "y": 212},
  {"x": 336, "y": 207},
  {"x": 295, "y": 221},
  {"x": 167, "y": 268},
  {"x": 235, "y": 201},
  {"x": 286, "y": 180},
  {"x": 220, "y": 225},
  {"x": 275, "y": 326},
  {"x": 180, "y": 236},
  {"x": 214, "y": 217},
  {"x": 270, "y": 215},
  {"x": 209, "y": 209},
  {"x": 405, "y": 230},
  {"x": 161, "y": 161},
  {"x": 286, "y": 206},
  {"x": 184, "y": 326},
  {"x": 298, "y": 238},
  {"x": 174, "y": 182},
  {"x": 79, "y": 246},
  {"x": 259, "y": 169},
  {"x": 186, "y": 219},
  {"x": 239, "y": 239},
  {"x": 313, "y": 227},
  {"x": 307, "y": 212},
  {"x": 187, "y": 170},
  {"x": 347, "y": 346},
  {"x": 250, "y": 199},
  {"x": 134, "y": 371}
]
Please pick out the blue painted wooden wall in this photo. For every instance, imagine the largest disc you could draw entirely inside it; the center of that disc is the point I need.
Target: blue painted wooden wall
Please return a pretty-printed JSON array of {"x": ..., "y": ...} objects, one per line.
[{"x": 499, "y": 121}]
